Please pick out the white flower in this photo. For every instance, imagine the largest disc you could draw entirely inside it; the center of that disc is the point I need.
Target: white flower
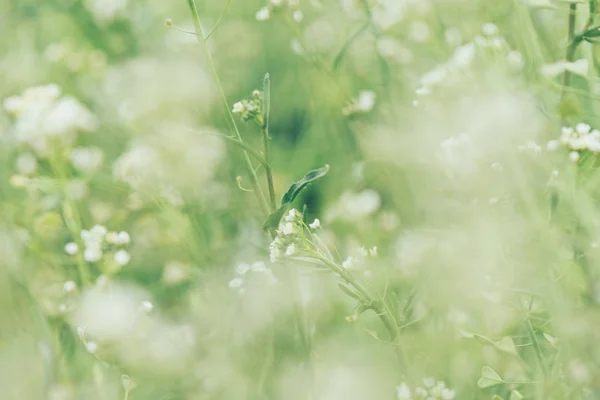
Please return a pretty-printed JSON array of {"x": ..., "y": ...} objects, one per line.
[
  {"x": 489, "y": 29},
  {"x": 242, "y": 269},
  {"x": 373, "y": 251},
  {"x": 553, "y": 145},
  {"x": 69, "y": 286},
  {"x": 464, "y": 55},
  {"x": 86, "y": 159},
  {"x": 92, "y": 254},
  {"x": 348, "y": 263},
  {"x": 80, "y": 333},
  {"x": 582, "y": 128},
  {"x": 447, "y": 394},
  {"x": 574, "y": 156},
  {"x": 403, "y": 392},
  {"x": 429, "y": 382},
  {"x": 289, "y": 228},
  {"x": 263, "y": 14},
  {"x": 92, "y": 347},
  {"x": 259, "y": 266},
  {"x": 236, "y": 283},
  {"x": 366, "y": 100},
  {"x": 123, "y": 238},
  {"x": 316, "y": 224},
  {"x": 122, "y": 257},
  {"x": 26, "y": 164},
  {"x": 298, "y": 16},
  {"x": 71, "y": 248},
  {"x": 496, "y": 166},
  {"x": 291, "y": 250},
  {"x": 147, "y": 306},
  {"x": 238, "y": 107}
]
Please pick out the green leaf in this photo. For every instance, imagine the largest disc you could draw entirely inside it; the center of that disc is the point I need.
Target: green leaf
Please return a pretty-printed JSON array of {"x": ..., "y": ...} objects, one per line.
[
  {"x": 591, "y": 33},
  {"x": 273, "y": 219},
  {"x": 516, "y": 395},
  {"x": 489, "y": 378},
  {"x": 496, "y": 397},
  {"x": 297, "y": 187},
  {"x": 552, "y": 340},
  {"x": 507, "y": 345}
]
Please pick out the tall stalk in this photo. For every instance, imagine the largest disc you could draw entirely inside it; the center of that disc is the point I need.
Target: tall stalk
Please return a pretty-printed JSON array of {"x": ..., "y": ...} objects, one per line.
[{"x": 262, "y": 201}]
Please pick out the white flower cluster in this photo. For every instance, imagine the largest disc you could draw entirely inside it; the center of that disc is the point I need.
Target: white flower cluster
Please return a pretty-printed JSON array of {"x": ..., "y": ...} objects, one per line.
[
  {"x": 364, "y": 103},
  {"x": 245, "y": 272},
  {"x": 266, "y": 12},
  {"x": 465, "y": 55},
  {"x": 42, "y": 114},
  {"x": 580, "y": 138},
  {"x": 97, "y": 240},
  {"x": 287, "y": 242},
  {"x": 432, "y": 390}
]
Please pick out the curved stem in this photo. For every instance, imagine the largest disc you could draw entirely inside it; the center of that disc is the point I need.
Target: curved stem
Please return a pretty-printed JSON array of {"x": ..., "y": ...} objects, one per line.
[{"x": 246, "y": 158}]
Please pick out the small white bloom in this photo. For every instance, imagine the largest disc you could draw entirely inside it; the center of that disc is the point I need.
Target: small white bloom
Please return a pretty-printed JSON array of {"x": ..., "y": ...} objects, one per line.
[
  {"x": 582, "y": 128},
  {"x": 553, "y": 145},
  {"x": 366, "y": 100},
  {"x": 238, "y": 107},
  {"x": 291, "y": 250},
  {"x": 403, "y": 392},
  {"x": 373, "y": 251},
  {"x": 71, "y": 248},
  {"x": 242, "y": 269},
  {"x": 298, "y": 16},
  {"x": 574, "y": 156},
  {"x": 62, "y": 308},
  {"x": 348, "y": 263},
  {"x": 123, "y": 238},
  {"x": 122, "y": 257},
  {"x": 80, "y": 332},
  {"x": 316, "y": 224},
  {"x": 92, "y": 347},
  {"x": 362, "y": 251},
  {"x": 429, "y": 382},
  {"x": 489, "y": 29},
  {"x": 236, "y": 283},
  {"x": 262, "y": 15},
  {"x": 92, "y": 254},
  {"x": 69, "y": 286},
  {"x": 259, "y": 266},
  {"x": 147, "y": 306},
  {"x": 26, "y": 164},
  {"x": 288, "y": 228}
]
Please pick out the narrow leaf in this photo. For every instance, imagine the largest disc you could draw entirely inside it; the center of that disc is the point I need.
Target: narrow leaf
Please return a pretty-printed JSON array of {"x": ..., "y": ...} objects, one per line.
[
  {"x": 297, "y": 187},
  {"x": 273, "y": 219}
]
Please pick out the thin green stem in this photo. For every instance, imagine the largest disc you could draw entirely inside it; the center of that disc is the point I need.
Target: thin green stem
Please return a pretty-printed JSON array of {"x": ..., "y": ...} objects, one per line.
[
  {"x": 70, "y": 214},
  {"x": 246, "y": 158},
  {"x": 536, "y": 344},
  {"x": 268, "y": 169},
  {"x": 573, "y": 43}
]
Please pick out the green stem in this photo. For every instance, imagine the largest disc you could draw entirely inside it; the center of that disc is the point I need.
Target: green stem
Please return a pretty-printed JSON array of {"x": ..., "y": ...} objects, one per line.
[
  {"x": 536, "y": 347},
  {"x": 70, "y": 214},
  {"x": 268, "y": 169},
  {"x": 573, "y": 43},
  {"x": 246, "y": 158}
]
